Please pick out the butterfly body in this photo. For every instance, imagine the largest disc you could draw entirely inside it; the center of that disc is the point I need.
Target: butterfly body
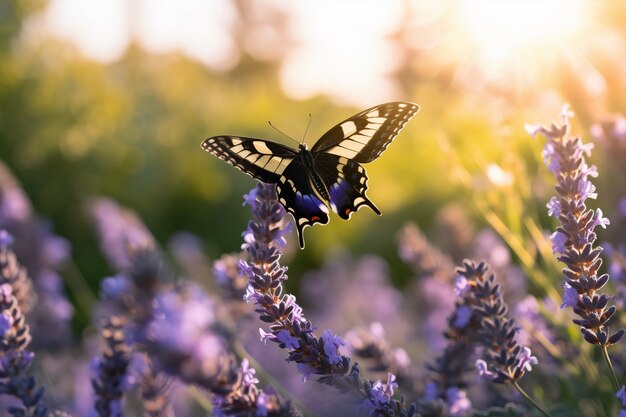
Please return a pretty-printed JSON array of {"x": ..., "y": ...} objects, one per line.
[{"x": 330, "y": 174}]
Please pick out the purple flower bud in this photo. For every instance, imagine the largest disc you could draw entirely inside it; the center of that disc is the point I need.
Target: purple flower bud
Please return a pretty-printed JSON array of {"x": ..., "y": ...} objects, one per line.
[
  {"x": 6, "y": 322},
  {"x": 457, "y": 400},
  {"x": 331, "y": 346},
  {"x": 287, "y": 339},
  {"x": 483, "y": 369},
  {"x": 115, "y": 287},
  {"x": 462, "y": 317},
  {"x": 248, "y": 373},
  {"x": 5, "y": 291},
  {"x": 570, "y": 296},
  {"x": 587, "y": 189},
  {"x": 559, "y": 240},
  {"x": 5, "y": 239},
  {"x": 599, "y": 220},
  {"x": 460, "y": 285},
  {"x": 554, "y": 207},
  {"x": 245, "y": 268},
  {"x": 250, "y": 198},
  {"x": 305, "y": 370},
  {"x": 431, "y": 392},
  {"x": 527, "y": 360},
  {"x": 621, "y": 395},
  {"x": 265, "y": 336}
]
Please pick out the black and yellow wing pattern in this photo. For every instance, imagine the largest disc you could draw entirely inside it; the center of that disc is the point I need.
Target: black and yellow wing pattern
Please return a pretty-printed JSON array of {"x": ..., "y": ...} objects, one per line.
[{"x": 330, "y": 174}]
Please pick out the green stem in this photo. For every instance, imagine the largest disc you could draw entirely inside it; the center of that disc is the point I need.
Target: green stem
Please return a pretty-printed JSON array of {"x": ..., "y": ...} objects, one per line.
[
  {"x": 607, "y": 359},
  {"x": 530, "y": 400}
]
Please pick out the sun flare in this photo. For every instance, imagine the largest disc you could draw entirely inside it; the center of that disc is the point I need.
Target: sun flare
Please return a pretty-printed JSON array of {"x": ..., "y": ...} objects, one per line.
[
  {"x": 505, "y": 34},
  {"x": 501, "y": 27}
]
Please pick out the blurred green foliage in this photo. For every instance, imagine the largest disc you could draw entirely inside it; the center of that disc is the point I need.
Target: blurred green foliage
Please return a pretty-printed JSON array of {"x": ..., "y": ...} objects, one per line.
[{"x": 71, "y": 128}]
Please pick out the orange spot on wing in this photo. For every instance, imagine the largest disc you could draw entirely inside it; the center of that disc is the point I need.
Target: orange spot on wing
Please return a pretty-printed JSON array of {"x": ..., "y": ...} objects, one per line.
[
  {"x": 314, "y": 218},
  {"x": 347, "y": 211}
]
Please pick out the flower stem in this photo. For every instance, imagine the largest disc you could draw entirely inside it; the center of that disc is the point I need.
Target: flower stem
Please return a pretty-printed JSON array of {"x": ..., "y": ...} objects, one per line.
[
  {"x": 607, "y": 359},
  {"x": 530, "y": 400}
]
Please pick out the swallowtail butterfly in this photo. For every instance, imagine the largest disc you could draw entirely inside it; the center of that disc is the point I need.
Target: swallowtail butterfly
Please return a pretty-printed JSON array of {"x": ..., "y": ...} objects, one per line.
[{"x": 308, "y": 181}]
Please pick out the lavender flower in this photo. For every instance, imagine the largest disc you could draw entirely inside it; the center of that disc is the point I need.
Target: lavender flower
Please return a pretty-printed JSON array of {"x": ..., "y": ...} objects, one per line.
[
  {"x": 574, "y": 240},
  {"x": 189, "y": 252},
  {"x": 153, "y": 385},
  {"x": 288, "y": 327},
  {"x": 243, "y": 398},
  {"x": 16, "y": 360},
  {"x": 180, "y": 337},
  {"x": 120, "y": 230},
  {"x": 431, "y": 290},
  {"x": 425, "y": 259},
  {"x": 228, "y": 277},
  {"x": 110, "y": 369},
  {"x": 621, "y": 396},
  {"x": 42, "y": 253},
  {"x": 372, "y": 346},
  {"x": 14, "y": 274},
  {"x": 504, "y": 360}
]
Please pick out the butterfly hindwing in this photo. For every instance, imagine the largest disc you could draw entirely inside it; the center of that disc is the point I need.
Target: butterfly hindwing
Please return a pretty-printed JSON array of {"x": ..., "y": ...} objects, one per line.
[
  {"x": 365, "y": 136},
  {"x": 346, "y": 182},
  {"x": 296, "y": 195},
  {"x": 261, "y": 159}
]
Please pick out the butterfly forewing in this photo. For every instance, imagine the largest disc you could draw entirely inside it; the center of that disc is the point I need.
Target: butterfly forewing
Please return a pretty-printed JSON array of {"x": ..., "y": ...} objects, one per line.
[
  {"x": 365, "y": 136},
  {"x": 261, "y": 159},
  {"x": 296, "y": 194},
  {"x": 346, "y": 181}
]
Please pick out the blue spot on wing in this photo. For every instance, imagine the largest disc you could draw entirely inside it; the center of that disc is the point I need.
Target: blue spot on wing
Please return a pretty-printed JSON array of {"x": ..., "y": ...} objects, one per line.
[
  {"x": 296, "y": 195},
  {"x": 347, "y": 183}
]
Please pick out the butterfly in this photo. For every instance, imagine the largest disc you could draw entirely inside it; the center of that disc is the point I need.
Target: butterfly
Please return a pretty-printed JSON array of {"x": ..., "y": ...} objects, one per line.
[{"x": 308, "y": 181}]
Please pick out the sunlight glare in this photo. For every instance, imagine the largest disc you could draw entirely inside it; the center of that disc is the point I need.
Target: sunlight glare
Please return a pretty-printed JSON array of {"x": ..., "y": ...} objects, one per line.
[
  {"x": 344, "y": 51},
  {"x": 500, "y": 28}
]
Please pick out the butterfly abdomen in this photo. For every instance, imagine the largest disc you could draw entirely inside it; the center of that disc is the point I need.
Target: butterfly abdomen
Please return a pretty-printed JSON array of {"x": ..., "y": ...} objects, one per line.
[{"x": 316, "y": 181}]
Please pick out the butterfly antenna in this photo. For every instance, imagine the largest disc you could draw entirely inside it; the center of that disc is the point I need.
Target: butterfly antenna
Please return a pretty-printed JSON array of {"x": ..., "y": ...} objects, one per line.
[
  {"x": 307, "y": 128},
  {"x": 281, "y": 132}
]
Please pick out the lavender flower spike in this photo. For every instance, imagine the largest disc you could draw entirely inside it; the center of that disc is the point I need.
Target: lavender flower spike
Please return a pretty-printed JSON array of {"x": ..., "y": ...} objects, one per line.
[
  {"x": 313, "y": 355},
  {"x": 263, "y": 241},
  {"x": 573, "y": 241},
  {"x": 15, "y": 360},
  {"x": 504, "y": 360},
  {"x": 109, "y": 382}
]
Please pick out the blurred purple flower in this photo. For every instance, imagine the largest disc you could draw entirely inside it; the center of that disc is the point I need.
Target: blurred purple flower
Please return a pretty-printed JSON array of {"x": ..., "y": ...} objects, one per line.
[
  {"x": 462, "y": 316},
  {"x": 5, "y": 239},
  {"x": 554, "y": 207},
  {"x": 504, "y": 360},
  {"x": 16, "y": 360},
  {"x": 109, "y": 370},
  {"x": 347, "y": 293},
  {"x": 40, "y": 252},
  {"x": 189, "y": 252},
  {"x": 458, "y": 402},
  {"x": 527, "y": 312},
  {"x": 461, "y": 286},
  {"x": 372, "y": 347},
  {"x": 120, "y": 231},
  {"x": 483, "y": 370},
  {"x": 248, "y": 374}
]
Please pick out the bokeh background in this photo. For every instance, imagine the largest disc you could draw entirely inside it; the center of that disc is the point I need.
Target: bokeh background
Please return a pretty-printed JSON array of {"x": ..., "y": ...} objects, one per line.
[{"x": 113, "y": 97}]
